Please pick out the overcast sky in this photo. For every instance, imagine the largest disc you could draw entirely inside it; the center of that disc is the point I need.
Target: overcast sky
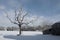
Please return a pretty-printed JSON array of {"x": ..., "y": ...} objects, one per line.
[{"x": 46, "y": 10}]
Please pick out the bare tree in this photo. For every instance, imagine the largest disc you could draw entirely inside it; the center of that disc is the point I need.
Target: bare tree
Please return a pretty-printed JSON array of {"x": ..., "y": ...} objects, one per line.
[{"x": 19, "y": 18}]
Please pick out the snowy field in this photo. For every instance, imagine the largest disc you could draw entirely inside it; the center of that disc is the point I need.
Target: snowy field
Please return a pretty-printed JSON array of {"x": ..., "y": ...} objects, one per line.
[{"x": 26, "y": 35}]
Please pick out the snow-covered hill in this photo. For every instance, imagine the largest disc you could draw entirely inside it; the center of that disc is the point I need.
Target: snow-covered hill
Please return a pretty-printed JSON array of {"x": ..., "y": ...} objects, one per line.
[{"x": 26, "y": 35}]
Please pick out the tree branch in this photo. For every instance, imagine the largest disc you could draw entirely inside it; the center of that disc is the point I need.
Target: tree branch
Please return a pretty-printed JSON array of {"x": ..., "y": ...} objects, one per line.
[
  {"x": 9, "y": 18},
  {"x": 23, "y": 17},
  {"x": 28, "y": 22},
  {"x": 19, "y": 15},
  {"x": 15, "y": 15}
]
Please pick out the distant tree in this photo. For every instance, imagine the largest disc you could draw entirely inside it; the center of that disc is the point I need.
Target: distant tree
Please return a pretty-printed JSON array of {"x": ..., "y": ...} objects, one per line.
[
  {"x": 2, "y": 28},
  {"x": 9, "y": 29},
  {"x": 39, "y": 28},
  {"x": 19, "y": 18},
  {"x": 56, "y": 28}
]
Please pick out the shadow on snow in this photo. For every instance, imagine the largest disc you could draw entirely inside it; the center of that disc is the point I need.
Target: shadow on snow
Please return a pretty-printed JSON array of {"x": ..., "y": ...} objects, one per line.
[{"x": 36, "y": 37}]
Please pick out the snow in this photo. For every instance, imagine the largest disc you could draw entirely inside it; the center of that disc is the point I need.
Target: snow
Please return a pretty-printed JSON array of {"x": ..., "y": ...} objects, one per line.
[{"x": 26, "y": 35}]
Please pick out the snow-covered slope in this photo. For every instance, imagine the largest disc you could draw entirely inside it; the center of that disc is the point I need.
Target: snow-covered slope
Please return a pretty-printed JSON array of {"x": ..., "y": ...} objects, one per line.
[{"x": 26, "y": 35}]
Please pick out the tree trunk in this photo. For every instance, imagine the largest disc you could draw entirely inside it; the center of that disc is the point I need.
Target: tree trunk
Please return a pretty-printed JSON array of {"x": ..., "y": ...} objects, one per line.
[{"x": 19, "y": 30}]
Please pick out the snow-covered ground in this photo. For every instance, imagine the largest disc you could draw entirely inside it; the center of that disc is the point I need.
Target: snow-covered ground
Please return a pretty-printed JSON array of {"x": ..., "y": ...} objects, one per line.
[{"x": 26, "y": 35}]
